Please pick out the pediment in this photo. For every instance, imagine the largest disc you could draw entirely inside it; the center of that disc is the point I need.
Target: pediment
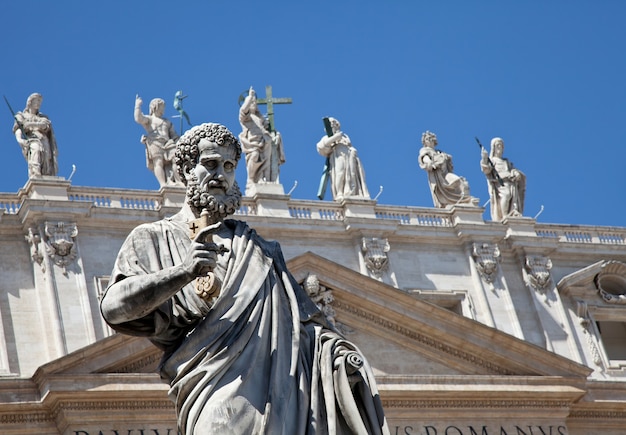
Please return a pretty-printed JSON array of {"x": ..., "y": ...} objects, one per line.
[
  {"x": 600, "y": 282},
  {"x": 116, "y": 354},
  {"x": 391, "y": 326}
]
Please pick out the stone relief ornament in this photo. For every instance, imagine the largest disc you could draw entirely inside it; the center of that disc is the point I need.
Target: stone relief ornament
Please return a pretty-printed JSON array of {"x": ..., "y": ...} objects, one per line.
[
  {"x": 321, "y": 295},
  {"x": 33, "y": 238},
  {"x": 375, "y": 255},
  {"x": 611, "y": 282},
  {"x": 537, "y": 272},
  {"x": 585, "y": 321},
  {"x": 487, "y": 257},
  {"x": 60, "y": 242}
]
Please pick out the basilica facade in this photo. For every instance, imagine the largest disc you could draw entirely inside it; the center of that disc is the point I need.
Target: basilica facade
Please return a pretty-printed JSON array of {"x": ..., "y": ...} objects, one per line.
[{"x": 471, "y": 326}]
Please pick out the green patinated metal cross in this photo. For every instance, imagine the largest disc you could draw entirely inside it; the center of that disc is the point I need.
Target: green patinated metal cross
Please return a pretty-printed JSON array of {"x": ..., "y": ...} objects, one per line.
[{"x": 269, "y": 100}]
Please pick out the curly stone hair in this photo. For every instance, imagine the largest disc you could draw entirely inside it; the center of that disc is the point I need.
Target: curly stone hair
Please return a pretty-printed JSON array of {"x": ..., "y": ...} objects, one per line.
[
  {"x": 429, "y": 136},
  {"x": 187, "y": 153}
]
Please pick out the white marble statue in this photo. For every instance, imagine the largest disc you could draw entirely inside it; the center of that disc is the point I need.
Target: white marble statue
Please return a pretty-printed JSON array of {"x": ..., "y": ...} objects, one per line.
[
  {"x": 277, "y": 155},
  {"x": 262, "y": 147},
  {"x": 446, "y": 187},
  {"x": 253, "y": 354},
  {"x": 347, "y": 178},
  {"x": 506, "y": 184},
  {"x": 33, "y": 132},
  {"x": 160, "y": 141}
]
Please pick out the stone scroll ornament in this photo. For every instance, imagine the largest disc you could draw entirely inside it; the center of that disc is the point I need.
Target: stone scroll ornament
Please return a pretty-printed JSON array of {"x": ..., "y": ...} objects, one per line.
[
  {"x": 375, "y": 255},
  {"x": 60, "y": 243},
  {"x": 208, "y": 286},
  {"x": 487, "y": 257},
  {"x": 537, "y": 272},
  {"x": 33, "y": 238}
]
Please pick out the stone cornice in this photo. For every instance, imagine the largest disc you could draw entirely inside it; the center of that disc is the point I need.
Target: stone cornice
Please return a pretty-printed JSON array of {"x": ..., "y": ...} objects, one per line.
[{"x": 475, "y": 403}]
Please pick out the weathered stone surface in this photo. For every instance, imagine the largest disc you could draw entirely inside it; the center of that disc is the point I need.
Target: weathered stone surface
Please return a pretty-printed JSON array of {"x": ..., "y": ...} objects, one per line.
[
  {"x": 347, "y": 176},
  {"x": 34, "y": 133},
  {"x": 160, "y": 141},
  {"x": 506, "y": 184},
  {"x": 446, "y": 187}
]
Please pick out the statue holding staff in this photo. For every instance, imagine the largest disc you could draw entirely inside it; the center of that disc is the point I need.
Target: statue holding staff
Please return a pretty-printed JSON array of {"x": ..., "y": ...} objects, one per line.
[
  {"x": 506, "y": 184},
  {"x": 343, "y": 166}
]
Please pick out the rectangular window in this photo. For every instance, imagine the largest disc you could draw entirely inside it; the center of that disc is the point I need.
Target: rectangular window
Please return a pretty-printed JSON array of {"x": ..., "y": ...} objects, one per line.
[{"x": 614, "y": 339}]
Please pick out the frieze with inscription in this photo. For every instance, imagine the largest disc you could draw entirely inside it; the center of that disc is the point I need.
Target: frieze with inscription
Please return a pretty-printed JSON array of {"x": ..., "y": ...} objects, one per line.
[{"x": 478, "y": 429}]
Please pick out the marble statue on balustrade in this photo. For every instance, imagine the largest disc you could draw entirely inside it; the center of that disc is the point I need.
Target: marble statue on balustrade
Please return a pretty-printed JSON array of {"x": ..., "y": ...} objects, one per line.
[
  {"x": 34, "y": 133},
  {"x": 160, "y": 141},
  {"x": 347, "y": 177},
  {"x": 506, "y": 184},
  {"x": 446, "y": 187},
  {"x": 246, "y": 351},
  {"x": 263, "y": 148}
]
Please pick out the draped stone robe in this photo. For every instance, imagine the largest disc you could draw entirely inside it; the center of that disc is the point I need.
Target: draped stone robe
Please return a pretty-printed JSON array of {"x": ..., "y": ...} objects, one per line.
[
  {"x": 347, "y": 177},
  {"x": 262, "y": 359}
]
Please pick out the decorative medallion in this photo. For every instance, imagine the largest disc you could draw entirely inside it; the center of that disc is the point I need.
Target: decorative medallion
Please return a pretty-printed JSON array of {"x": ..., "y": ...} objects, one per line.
[
  {"x": 487, "y": 257},
  {"x": 60, "y": 243},
  {"x": 375, "y": 255},
  {"x": 537, "y": 272}
]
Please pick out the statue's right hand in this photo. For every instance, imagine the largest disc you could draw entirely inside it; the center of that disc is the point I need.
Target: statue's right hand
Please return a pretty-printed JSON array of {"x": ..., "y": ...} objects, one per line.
[
  {"x": 138, "y": 100},
  {"x": 201, "y": 258},
  {"x": 484, "y": 154}
]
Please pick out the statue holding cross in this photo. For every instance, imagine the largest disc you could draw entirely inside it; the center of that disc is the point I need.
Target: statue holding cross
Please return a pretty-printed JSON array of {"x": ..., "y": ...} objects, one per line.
[{"x": 259, "y": 139}]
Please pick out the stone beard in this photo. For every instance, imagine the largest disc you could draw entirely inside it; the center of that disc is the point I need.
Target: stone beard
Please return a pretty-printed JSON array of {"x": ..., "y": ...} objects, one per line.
[{"x": 218, "y": 206}]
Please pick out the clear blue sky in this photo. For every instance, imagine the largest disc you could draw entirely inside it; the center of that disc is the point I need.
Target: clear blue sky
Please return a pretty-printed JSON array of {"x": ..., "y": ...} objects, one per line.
[{"x": 548, "y": 77}]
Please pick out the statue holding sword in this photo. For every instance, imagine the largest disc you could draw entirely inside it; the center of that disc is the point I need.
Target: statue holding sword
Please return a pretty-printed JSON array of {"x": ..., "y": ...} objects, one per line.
[{"x": 33, "y": 132}]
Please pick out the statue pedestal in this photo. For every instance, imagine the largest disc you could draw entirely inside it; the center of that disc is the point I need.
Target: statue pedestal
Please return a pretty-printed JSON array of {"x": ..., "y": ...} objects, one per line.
[
  {"x": 520, "y": 226},
  {"x": 265, "y": 188},
  {"x": 46, "y": 187},
  {"x": 270, "y": 199},
  {"x": 362, "y": 208},
  {"x": 467, "y": 214},
  {"x": 173, "y": 196}
]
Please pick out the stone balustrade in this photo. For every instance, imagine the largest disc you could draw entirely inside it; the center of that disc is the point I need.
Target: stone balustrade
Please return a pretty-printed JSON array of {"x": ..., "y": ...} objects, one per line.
[
  {"x": 133, "y": 199},
  {"x": 585, "y": 235}
]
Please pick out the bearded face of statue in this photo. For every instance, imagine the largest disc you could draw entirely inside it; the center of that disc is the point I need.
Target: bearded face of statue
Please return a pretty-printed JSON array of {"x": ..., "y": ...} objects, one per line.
[{"x": 211, "y": 183}]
